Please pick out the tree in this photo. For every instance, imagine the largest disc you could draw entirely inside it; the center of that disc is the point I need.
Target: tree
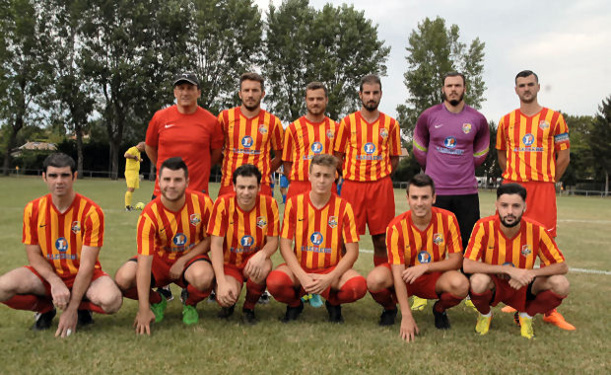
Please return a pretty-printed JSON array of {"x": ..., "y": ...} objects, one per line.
[
  {"x": 22, "y": 65},
  {"x": 582, "y": 165},
  {"x": 434, "y": 50},
  {"x": 490, "y": 167},
  {"x": 600, "y": 139},
  {"x": 336, "y": 45}
]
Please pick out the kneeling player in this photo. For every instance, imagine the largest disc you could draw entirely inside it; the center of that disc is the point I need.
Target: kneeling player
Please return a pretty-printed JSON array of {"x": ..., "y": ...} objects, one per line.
[
  {"x": 171, "y": 246},
  {"x": 319, "y": 222},
  {"x": 63, "y": 233},
  {"x": 244, "y": 229},
  {"x": 420, "y": 239},
  {"x": 501, "y": 255}
]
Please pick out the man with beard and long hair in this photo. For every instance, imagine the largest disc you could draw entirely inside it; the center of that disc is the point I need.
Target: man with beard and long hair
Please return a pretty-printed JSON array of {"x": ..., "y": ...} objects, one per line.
[
  {"x": 250, "y": 133},
  {"x": 451, "y": 139},
  {"x": 501, "y": 256},
  {"x": 368, "y": 143},
  {"x": 533, "y": 150}
]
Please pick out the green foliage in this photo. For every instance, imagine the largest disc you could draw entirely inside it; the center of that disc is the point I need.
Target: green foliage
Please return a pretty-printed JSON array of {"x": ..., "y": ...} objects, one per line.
[
  {"x": 434, "y": 50},
  {"x": 490, "y": 167},
  {"x": 600, "y": 136},
  {"x": 335, "y": 45},
  {"x": 582, "y": 165}
]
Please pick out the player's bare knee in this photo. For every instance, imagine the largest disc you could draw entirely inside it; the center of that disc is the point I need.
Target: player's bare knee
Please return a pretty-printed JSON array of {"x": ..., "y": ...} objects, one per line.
[
  {"x": 377, "y": 279},
  {"x": 559, "y": 284},
  {"x": 459, "y": 285},
  {"x": 109, "y": 298},
  {"x": 126, "y": 276},
  {"x": 479, "y": 282}
]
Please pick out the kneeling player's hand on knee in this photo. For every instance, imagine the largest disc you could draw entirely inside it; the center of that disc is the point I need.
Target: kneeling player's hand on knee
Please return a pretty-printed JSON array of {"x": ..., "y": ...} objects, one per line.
[{"x": 60, "y": 295}]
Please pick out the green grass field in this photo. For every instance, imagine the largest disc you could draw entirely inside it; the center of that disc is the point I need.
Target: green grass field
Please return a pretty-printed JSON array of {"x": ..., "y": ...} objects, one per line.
[{"x": 359, "y": 346}]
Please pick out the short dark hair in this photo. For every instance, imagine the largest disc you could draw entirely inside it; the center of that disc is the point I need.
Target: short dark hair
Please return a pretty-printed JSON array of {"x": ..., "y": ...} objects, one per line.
[
  {"x": 317, "y": 86},
  {"x": 174, "y": 164},
  {"x": 247, "y": 170},
  {"x": 454, "y": 74},
  {"x": 421, "y": 180},
  {"x": 370, "y": 79},
  {"x": 251, "y": 76},
  {"x": 325, "y": 160},
  {"x": 526, "y": 73},
  {"x": 510, "y": 189},
  {"x": 59, "y": 160}
]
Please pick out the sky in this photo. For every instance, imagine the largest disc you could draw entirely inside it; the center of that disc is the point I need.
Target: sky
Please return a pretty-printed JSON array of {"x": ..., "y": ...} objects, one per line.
[{"x": 566, "y": 42}]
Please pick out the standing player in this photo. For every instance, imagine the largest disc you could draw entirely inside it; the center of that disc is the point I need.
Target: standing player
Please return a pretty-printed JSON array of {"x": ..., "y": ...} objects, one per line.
[
  {"x": 132, "y": 172},
  {"x": 501, "y": 255},
  {"x": 251, "y": 133},
  {"x": 171, "y": 246},
  {"x": 63, "y": 233},
  {"x": 451, "y": 139},
  {"x": 319, "y": 224},
  {"x": 310, "y": 135},
  {"x": 188, "y": 131},
  {"x": 370, "y": 142},
  {"x": 244, "y": 229},
  {"x": 533, "y": 151},
  {"x": 420, "y": 239}
]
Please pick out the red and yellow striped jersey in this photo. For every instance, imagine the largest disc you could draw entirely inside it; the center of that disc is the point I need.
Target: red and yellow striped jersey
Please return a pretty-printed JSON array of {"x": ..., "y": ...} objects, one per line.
[
  {"x": 368, "y": 147},
  {"x": 245, "y": 232},
  {"x": 61, "y": 236},
  {"x": 249, "y": 141},
  {"x": 170, "y": 235},
  {"x": 406, "y": 244},
  {"x": 489, "y": 243},
  {"x": 303, "y": 140},
  {"x": 319, "y": 234},
  {"x": 531, "y": 143}
]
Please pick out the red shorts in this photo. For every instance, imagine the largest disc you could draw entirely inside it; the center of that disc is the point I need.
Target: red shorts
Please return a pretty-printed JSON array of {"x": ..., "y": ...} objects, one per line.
[
  {"x": 373, "y": 204},
  {"x": 226, "y": 190},
  {"x": 515, "y": 298},
  {"x": 541, "y": 203},
  {"x": 160, "y": 271},
  {"x": 424, "y": 286},
  {"x": 300, "y": 187},
  {"x": 69, "y": 281},
  {"x": 237, "y": 272},
  {"x": 321, "y": 271}
]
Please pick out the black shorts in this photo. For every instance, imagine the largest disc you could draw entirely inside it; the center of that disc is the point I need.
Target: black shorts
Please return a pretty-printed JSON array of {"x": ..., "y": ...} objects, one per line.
[{"x": 466, "y": 209}]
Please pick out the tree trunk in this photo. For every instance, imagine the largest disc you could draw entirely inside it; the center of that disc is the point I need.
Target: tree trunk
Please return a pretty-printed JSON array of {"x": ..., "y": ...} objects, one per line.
[
  {"x": 606, "y": 183},
  {"x": 12, "y": 143},
  {"x": 79, "y": 150}
]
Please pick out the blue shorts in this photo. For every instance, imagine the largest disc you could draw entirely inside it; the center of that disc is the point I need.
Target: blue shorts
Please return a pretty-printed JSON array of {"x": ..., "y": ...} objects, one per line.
[{"x": 284, "y": 182}]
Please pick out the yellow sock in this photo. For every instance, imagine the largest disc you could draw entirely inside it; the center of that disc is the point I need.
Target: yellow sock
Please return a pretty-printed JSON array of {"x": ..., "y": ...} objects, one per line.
[{"x": 128, "y": 198}]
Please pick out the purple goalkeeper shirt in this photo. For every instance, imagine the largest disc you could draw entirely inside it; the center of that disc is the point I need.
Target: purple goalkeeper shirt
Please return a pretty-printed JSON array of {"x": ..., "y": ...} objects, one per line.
[{"x": 449, "y": 146}]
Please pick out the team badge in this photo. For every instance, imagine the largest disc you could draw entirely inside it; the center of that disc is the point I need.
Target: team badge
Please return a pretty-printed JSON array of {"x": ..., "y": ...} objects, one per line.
[
  {"x": 261, "y": 222},
  {"x": 383, "y": 133},
  {"x": 369, "y": 148},
  {"x": 76, "y": 227},
  {"x": 543, "y": 124},
  {"x": 526, "y": 250},
  {"x": 61, "y": 244},
  {"x": 424, "y": 257},
  {"x": 437, "y": 238},
  {"x": 195, "y": 219},
  {"x": 449, "y": 142},
  {"x": 247, "y": 141},
  {"x": 333, "y": 221},
  {"x": 330, "y": 134},
  {"x": 466, "y": 128},
  {"x": 528, "y": 139},
  {"x": 263, "y": 129},
  {"x": 316, "y": 147},
  {"x": 247, "y": 241},
  {"x": 316, "y": 238},
  {"x": 179, "y": 239}
]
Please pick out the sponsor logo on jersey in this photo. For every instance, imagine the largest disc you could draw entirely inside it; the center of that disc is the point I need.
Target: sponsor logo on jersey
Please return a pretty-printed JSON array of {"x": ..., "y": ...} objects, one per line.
[
  {"x": 247, "y": 241},
  {"x": 76, "y": 227},
  {"x": 261, "y": 222},
  {"x": 449, "y": 142},
  {"x": 383, "y": 133},
  {"x": 437, "y": 238},
  {"x": 424, "y": 257},
  {"x": 369, "y": 148},
  {"x": 61, "y": 244},
  {"x": 316, "y": 238},
  {"x": 316, "y": 147},
  {"x": 466, "y": 128},
  {"x": 526, "y": 250},
  {"x": 262, "y": 129},
  {"x": 332, "y": 221},
  {"x": 543, "y": 124},
  {"x": 195, "y": 219},
  {"x": 247, "y": 141},
  {"x": 179, "y": 239},
  {"x": 528, "y": 139}
]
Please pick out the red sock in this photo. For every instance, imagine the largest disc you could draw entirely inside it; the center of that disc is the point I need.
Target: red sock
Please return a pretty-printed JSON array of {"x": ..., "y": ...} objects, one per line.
[
  {"x": 481, "y": 301},
  {"x": 352, "y": 290},
  {"x": 446, "y": 301},
  {"x": 30, "y": 302},
  {"x": 87, "y": 305},
  {"x": 132, "y": 293},
  {"x": 543, "y": 302},
  {"x": 253, "y": 292},
  {"x": 194, "y": 295},
  {"x": 377, "y": 260},
  {"x": 385, "y": 298},
  {"x": 280, "y": 286}
]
